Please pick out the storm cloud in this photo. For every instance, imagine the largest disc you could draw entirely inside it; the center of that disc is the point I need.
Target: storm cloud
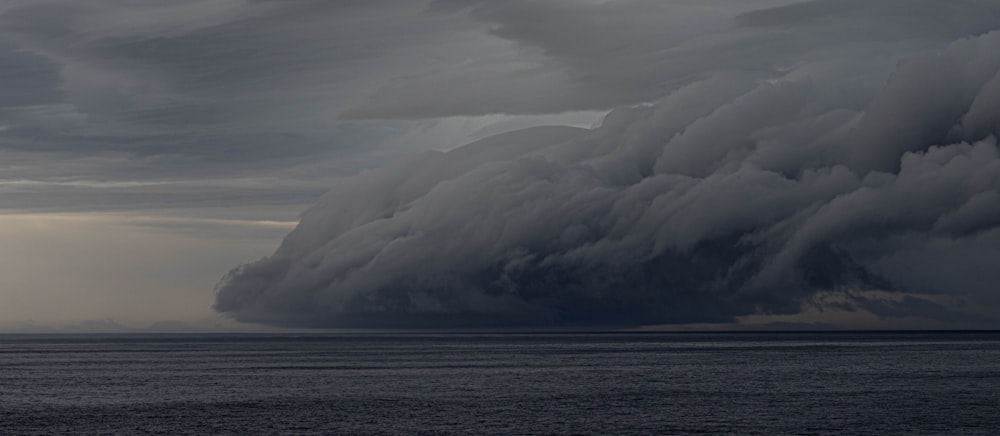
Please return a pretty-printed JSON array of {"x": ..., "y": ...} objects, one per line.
[{"x": 754, "y": 184}]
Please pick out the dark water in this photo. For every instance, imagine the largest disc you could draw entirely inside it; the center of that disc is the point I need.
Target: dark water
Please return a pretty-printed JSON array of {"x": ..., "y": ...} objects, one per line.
[{"x": 777, "y": 383}]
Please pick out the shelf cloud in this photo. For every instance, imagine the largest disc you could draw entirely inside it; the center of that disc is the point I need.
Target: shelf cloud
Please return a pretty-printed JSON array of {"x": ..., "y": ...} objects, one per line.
[{"x": 737, "y": 192}]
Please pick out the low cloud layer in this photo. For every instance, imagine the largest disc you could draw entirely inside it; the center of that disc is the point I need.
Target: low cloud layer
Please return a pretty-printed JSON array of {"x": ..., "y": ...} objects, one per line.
[{"x": 733, "y": 195}]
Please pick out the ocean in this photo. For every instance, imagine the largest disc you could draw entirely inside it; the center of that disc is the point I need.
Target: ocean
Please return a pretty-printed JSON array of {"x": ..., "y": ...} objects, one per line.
[{"x": 865, "y": 383}]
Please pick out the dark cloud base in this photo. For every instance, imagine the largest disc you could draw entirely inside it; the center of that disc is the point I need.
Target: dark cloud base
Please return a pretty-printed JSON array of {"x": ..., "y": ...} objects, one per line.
[{"x": 728, "y": 197}]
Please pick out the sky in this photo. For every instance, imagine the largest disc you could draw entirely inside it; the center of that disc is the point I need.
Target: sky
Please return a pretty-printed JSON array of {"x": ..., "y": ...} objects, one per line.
[{"x": 226, "y": 164}]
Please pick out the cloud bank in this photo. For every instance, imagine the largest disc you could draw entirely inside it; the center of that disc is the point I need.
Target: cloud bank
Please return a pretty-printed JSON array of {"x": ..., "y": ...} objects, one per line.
[{"x": 730, "y": 196}]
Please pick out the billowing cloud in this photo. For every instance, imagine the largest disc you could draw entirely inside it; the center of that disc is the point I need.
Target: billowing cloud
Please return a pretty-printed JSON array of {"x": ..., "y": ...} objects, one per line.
[
  {"x": 251, "y": 109},
  {"x": 730, "y": 196}
]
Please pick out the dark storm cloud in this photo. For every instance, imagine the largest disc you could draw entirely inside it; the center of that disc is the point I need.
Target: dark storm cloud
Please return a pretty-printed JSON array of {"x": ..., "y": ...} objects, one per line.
[
  {"x": 761, "y": 151},
  {"x": 730, "y": 196}
]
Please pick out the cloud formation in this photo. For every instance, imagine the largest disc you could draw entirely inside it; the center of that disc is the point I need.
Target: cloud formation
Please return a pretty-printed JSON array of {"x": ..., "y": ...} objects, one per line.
[
  {"x": 213, "y": 91},
  {"x": 251, "y": 109},
  {"x": 732, "y": 195},
  {"x": 573, "y": 55},
  {"x": 300, "y": 92}
]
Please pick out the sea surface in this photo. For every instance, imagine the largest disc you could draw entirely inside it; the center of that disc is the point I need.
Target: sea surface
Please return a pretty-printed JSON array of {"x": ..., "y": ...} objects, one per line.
[{"x": 514, "y": 383}]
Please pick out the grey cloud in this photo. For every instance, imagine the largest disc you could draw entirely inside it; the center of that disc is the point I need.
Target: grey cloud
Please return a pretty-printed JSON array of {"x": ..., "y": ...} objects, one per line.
[
  {"x": 226, "y": 74},
  {"x": 209, "y": 89},
  {"x": 570, "y": 56},
  {"x": 599, "y": 55},
  {"x": 184, "y": 90},
  {"x": 28, "y": 80},
  {"x": 731, "y": 196},
  {"x": 257, "y": 106}
]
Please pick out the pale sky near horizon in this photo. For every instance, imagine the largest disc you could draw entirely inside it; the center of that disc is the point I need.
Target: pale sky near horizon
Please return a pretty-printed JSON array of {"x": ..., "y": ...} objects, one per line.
[{"x": 788, "y": 161}]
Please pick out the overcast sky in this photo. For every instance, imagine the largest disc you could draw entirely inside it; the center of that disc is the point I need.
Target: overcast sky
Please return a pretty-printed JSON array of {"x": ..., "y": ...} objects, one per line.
[{"x": 827, "y": 161}]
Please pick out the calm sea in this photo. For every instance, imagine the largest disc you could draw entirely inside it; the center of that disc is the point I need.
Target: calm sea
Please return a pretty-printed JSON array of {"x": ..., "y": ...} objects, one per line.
[{"x": 614, "y": 383}]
